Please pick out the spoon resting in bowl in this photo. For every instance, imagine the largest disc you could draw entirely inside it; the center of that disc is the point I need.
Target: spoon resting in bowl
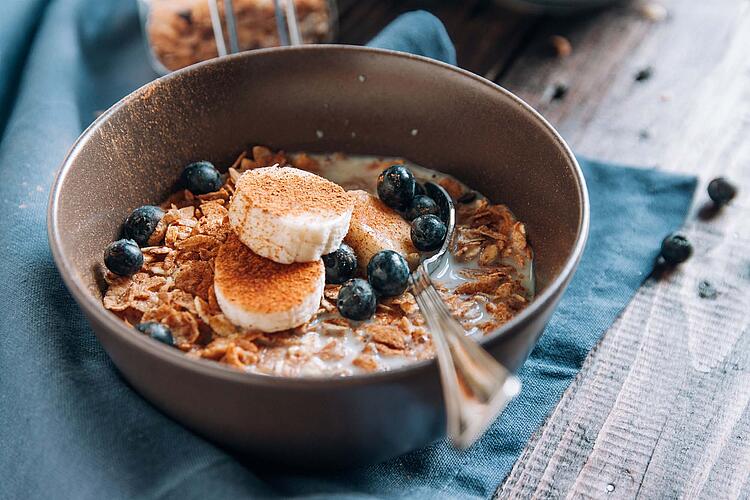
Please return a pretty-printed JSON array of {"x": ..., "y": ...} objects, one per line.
[{"x": 476, "y": 388}]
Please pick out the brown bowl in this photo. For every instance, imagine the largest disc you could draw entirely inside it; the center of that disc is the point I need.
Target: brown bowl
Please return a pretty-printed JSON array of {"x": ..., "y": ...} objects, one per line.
[{"x": 322, "y": 99}]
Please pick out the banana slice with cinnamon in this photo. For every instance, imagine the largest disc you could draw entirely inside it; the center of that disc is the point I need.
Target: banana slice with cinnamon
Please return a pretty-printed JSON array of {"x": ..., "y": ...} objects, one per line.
[
  {"x": 256, "y": 293},
  {"x": 289, "y": 215}
]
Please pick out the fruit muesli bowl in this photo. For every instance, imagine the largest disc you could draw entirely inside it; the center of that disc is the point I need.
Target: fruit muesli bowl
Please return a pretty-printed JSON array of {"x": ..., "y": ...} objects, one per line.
[{"x": 318, "y": 99}]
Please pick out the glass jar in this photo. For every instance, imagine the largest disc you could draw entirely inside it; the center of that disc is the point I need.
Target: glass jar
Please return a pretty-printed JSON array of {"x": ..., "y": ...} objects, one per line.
[{"x": 181, "y": 32}]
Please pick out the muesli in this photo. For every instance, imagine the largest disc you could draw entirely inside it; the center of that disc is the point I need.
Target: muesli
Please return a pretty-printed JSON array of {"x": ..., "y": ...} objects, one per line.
[{"x": 170, "y": 294}]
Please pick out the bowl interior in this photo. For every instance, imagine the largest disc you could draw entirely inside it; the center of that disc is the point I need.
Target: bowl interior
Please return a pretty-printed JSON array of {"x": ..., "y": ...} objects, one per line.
[{"x": 319, "y": 99}]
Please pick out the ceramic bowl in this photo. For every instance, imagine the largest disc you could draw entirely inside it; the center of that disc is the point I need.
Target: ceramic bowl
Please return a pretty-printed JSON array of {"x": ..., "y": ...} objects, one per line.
[{"x": 316, "y": 99}]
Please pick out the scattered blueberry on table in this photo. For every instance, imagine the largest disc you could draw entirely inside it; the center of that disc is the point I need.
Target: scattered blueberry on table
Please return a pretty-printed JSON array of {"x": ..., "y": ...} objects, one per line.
[
  {"x": 676, "y": 249},
  {"x": 421, "y": 205},
  {"x": 201, "y": 177},
  {"x": 340, "y": 265},
  {"x": 721, "y": 191},
  {"x": 123, "y": 257},
  {"x": 559, "y": 91},
  {"x": 428, "y": 232},
  {"x": 141, "y": 223},
  {"x": 356, "y": 300},
  {"x": 156, "y": 331},
  {"x": 388, "y": 273},
  {"x": 396, "y": 187},
  {"x": 644, "y": 74}
]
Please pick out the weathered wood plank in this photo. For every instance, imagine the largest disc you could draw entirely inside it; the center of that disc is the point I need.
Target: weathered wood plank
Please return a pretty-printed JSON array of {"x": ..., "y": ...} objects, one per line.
[
  {"x": 661, "y": 407},
  {"x": 605, "y": 110}
]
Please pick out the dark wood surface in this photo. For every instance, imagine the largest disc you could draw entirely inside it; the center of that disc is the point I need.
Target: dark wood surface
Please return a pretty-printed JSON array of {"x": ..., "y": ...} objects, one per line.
[{"x": 661, "y": 408}]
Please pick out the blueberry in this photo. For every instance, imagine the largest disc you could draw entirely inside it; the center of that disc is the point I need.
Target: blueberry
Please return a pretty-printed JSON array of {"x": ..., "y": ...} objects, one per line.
[
  {"x": 201, "y": 177},
  {"x": 396, "y": 187},
  {"x": 388, "y": 273},
  {"x": 721, "y": 191},
  {"x": 140, "y": 224},
  {"x": 123, "y": 257},
  {"x": 340, "y": 264},
  {"x": 428, "y": 232},
  {"x": 676, "y": 249},
  {"x": 356, "y": 300},
  {"x": 421, "y": 205},
  {"x": 156, "y": 331}
]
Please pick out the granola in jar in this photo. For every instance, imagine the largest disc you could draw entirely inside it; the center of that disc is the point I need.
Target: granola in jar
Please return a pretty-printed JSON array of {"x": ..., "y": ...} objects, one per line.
[{"x": 180, "y": 33}]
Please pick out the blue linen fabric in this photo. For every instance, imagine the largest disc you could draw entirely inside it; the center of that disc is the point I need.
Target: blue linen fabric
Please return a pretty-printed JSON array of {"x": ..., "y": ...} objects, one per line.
[{"x": 71, "y": 428}]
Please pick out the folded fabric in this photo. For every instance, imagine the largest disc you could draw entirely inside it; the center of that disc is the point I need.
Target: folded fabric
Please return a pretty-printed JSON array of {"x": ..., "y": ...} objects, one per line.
[
  {"x": 71, "y": 428},
  {"x": 418, "y": 33}
]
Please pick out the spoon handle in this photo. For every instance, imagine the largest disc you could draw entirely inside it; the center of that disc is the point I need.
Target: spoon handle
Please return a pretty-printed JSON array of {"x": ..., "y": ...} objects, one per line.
[{"x": 476, "y": 388}]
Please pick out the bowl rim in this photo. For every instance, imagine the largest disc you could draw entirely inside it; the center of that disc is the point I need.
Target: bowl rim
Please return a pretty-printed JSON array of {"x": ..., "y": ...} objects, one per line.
[{"x": 95, "y": 310}]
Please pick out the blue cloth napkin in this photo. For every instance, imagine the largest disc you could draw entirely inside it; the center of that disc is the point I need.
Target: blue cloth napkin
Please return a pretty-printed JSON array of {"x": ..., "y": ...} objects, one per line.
[{"x": 71, "y": 428}]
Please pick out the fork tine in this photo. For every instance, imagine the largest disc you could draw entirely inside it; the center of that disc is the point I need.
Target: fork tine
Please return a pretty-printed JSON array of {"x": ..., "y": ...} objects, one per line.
[
  {"x": 234, "y": 45},
  {"x": 291, "y": 20},
  {"x": 213, "y": 8},
  {"x": 281, "y": 23}
]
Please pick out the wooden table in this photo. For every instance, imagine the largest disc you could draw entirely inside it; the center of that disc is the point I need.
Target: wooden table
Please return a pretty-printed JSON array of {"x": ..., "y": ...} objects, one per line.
[{"x": 660, "y": 407}]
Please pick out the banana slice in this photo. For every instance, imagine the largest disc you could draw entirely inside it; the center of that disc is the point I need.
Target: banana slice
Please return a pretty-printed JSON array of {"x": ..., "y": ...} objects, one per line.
[
  {"x": 289, "y": 215},
  {"x": 375, "y": 227},
  {"x": 260, "y": 294}
]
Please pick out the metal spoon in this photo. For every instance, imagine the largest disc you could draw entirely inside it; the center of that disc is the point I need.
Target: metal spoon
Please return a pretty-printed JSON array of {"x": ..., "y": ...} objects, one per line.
[{"x": 476, "y": 388}]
